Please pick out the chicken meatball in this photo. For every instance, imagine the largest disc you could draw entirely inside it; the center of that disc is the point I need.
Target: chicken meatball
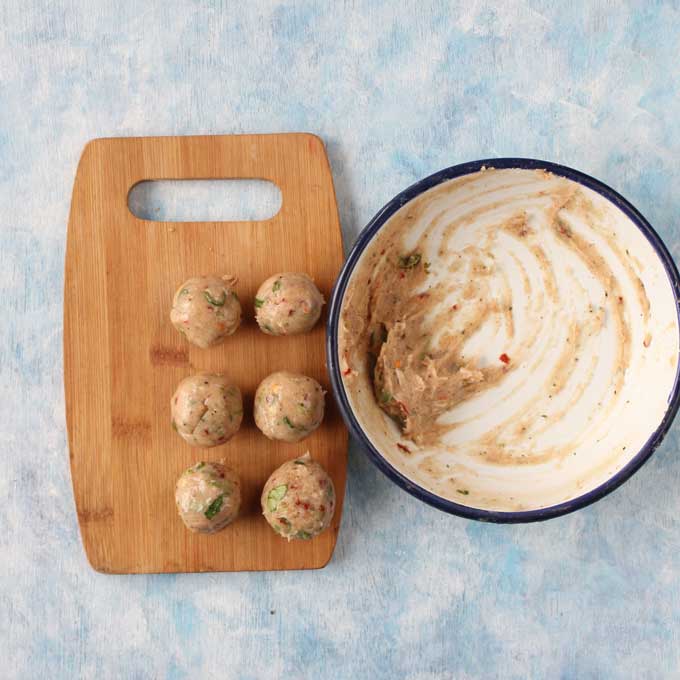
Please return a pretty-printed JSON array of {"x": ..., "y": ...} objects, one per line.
[
  {"x": 208, "y": 497},
  {"x": 288, "y": 406},
  {"x": 298, "y": 499},
  {"x": 206, "y": 309},
  {"x": 288, "y": 304},
  {"x": 206, "y": 409}
]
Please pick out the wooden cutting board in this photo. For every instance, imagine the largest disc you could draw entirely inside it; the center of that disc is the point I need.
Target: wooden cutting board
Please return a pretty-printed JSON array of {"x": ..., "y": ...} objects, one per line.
[{"x": 123, "y": 359}]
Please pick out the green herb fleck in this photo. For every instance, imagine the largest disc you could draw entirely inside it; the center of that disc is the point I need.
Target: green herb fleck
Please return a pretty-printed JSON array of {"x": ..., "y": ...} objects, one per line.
[
  {"x": 268, "y": 328},
  {"x": 174, "y": 425},
  {"x": 214, "y": 507},
  {"x": 304, "y": 535},
  {"x": 258, "y": 303},
  {"x": 275, "y": 496},
  {"x": 409, "y": 261},
  {"x": 292, "y": 425},
  {"x": 426, "y": 267},
  {"x": 464, "y": 492},
  {"x": 214, "y": 301},
  {"x": 233, "y": 292},
  {"x": 385, "y": 397},
  {"x": 198, "y": 466},
  {"x": 184, "y": 291},
  {"x": 299, "y": 462},
  {"x": 276, "y": 286}
]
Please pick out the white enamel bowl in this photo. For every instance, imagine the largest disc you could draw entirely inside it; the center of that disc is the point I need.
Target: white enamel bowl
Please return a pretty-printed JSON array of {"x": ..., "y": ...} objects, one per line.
[{"x": 519, "y": 451}]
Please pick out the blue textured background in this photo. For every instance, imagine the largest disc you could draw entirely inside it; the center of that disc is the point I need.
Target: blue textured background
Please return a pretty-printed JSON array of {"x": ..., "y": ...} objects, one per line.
[{"x": 397, "y": 90}]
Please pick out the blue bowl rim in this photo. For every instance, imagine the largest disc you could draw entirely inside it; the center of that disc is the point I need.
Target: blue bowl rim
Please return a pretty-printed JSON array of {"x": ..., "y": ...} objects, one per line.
[{"x": 338, "y": 293}]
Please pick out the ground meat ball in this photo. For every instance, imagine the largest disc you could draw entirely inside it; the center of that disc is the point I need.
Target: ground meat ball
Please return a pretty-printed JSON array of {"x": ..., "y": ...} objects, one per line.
[
  {"x": 206, "y": 409},
  {"x": 208, "y": 497},
  {"x": 288, "y": 406},
  {"x": 206, "y": 309},
  {"x": 298, "y": 499},
  {"x": 288, "y": 304}
]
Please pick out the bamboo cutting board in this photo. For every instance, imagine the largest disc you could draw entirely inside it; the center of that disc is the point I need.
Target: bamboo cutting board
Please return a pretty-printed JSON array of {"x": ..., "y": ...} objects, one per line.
[{"x": 123, "y": 359}]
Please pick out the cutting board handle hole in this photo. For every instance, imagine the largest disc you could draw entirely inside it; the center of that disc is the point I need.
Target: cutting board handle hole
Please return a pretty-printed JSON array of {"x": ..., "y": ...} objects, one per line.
[{"x": 205, "y": 200}]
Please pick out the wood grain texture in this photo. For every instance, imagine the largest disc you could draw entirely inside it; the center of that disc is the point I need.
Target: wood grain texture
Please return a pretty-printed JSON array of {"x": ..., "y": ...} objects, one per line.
[{"x": 123, "y": 359}]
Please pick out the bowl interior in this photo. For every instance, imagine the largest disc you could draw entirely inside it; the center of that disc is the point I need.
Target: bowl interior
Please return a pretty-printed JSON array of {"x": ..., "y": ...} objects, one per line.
[{"x": 562, "y": 296}]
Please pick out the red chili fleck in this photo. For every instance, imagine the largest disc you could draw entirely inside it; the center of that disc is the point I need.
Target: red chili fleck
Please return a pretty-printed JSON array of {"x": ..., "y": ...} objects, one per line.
[
  {"x": 305, "y": 506},
  {"x": 404, "y": 448},
  {"x": 422, "y": 296},
  {"x": 620, "y": 299},
  {"x": 403, "y": 407},
  {"x": 347, "y": 371},
  {"x": 401, "y": 275},
  {"x": 454, "y": 308},
  {"x": 504, "y": 358},
  {"x": 382, "y": 252}
]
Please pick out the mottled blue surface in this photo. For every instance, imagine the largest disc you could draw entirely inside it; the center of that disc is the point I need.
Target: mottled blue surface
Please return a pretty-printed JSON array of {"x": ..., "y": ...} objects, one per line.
[{"x": 397, "y": 90}]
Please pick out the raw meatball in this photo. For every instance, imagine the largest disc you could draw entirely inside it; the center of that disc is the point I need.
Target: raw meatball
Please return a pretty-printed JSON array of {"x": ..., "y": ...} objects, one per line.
[
  {"x": 208, "y": 497},
  {"x": 288, "y": 406},
  {"x": 298, "y": 499},
  {"x": 288, "y": 304},
  {"x": 206, "y": 309},
  {"x": 206, "y": 409}
]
